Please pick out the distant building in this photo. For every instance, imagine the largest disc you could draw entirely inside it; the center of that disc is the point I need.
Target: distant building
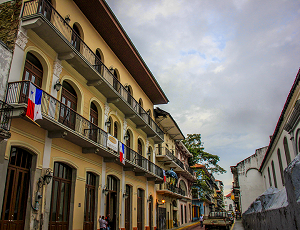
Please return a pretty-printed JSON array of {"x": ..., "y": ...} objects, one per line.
[{"x": 228, "y": 202}]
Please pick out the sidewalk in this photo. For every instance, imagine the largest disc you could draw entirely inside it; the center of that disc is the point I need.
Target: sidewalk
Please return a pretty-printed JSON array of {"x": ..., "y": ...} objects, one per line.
[{"x": 237, "y": 225}]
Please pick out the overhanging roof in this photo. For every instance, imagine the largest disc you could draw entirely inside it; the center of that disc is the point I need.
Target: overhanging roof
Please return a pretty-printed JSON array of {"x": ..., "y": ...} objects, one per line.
[
  {"x": 169, "y": 124},
  {"x": 105, "y": 22}
]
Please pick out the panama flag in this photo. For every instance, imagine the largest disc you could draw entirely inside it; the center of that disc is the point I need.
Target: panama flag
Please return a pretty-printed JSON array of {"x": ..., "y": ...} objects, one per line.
[
  {"x": 122, "y": 153},
  {"x": 164, "y": 172},
  {"x": 34, "y": 111}
]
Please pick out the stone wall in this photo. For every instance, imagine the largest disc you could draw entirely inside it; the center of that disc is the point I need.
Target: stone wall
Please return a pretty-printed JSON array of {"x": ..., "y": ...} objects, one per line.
[
  {"x": 5, "y": 60},
  {"x": 277, "y": 209},
  {"x": 9, "y": 21}
]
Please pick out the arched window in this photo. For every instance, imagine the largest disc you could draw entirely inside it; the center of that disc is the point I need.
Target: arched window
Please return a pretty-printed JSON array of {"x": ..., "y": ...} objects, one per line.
[
  {"x": 46, "y": 9},
  {"x": 183, "y": 187},
  {"x": 149, "y": 116},
  {"x": 280, "y": 166},
  {"x": 98, "y": 61},
  {"x": 33, "y": 70},
  {"x": 94, "y": 114},
  {"x": 287, "y": 151},
  {"x": 129, "y": 95},
  {"x": 269, "y": 175},
  {"x": 116, "y": 129},
  {"x": 140, "y": 147},
  {"x": 75, "y": 40},
  {"x": 141, "y": 106},
  {"x": 274, "y": 175},
  {"x": 68, "y": 100},
  {"x": 116, "y": 79}
]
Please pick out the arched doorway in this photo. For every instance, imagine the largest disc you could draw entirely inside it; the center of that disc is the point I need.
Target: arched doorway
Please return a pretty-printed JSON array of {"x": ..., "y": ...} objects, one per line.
[
  {"x": 89, "y": 209},
  {"x": 16, "y": 190},
  {"x": 60, "y": 199},
  {"x": 33, "y": 72},
  {"x": 75, "y": 40},
  {"x": 98, "y": 61},
  {"x": 67, "y": 116},
  {"x": 112, "y": 201},
  {"x": 150, "y": 210}
]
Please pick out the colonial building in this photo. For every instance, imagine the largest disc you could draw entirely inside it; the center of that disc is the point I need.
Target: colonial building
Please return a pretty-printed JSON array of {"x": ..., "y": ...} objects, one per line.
[
  {"x": 265, "y": 168},
  {"x": 93, "y": 153},
  {"x": 174, "y": 198}
]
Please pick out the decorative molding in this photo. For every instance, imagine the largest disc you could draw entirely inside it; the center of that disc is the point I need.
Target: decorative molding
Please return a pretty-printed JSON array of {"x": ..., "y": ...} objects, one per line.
[
  {"x": 57, "y": 68},
  {"x": 106, "y": 109},
  {"x": 125, "y": 126},
  {"x": 147, "y": 145},
  {"x": 22, "y": 40}
]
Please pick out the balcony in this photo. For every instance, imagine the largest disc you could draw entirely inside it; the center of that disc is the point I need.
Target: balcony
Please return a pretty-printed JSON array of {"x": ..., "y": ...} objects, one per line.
[
  {"x": 164, "y": 155},
  {"x": 63, "y": 122},
  {"x": 48, "y": 24},
  {"x": 171, "y": 190},
  {"x": 5, "y": 120}
]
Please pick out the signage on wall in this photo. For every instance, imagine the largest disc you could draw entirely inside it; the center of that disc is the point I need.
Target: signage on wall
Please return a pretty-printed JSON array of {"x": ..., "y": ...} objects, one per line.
[{"x": 112, "y": 143}]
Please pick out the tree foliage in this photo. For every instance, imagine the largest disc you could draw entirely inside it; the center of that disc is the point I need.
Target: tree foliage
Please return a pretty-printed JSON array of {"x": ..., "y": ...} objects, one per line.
[{"x": 195, "y": 146}]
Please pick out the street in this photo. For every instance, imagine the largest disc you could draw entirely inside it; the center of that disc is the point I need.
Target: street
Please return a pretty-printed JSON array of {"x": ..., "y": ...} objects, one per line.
[{"x": 194, "y": 227}]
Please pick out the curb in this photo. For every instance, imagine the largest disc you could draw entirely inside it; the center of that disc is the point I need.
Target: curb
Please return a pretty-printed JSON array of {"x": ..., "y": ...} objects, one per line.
[{"x": 183, "y": 227}]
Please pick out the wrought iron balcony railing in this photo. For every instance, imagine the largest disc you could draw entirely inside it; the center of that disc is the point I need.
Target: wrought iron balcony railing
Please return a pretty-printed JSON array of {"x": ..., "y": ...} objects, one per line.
[
  {"x": 57, "y": 112},
  {"x": 5, "y": 115},
  {"x": 172, "y": 188},
  {"x": 191, "y": 171},
  {"x": 44, "y": 9},
  {"x": 143, "y": 162},
  {"x": 165, "y": 151}
]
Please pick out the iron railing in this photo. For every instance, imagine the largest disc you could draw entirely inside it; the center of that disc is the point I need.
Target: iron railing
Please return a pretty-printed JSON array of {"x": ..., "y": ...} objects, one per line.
[
  {"x": 141, "y": 161},
  {"x": 167, "y": 152},
  {"x": 58, "y": 112},
  {"x": 5, "y": 115},
  {"x": 46, "y": 10},
  {"x": 191, "y": 171},
  {"x": 172, "y": 188}
]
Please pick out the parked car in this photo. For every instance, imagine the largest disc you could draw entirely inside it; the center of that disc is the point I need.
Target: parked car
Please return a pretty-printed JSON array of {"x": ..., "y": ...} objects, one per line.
[{"x": 217, "y": 220}]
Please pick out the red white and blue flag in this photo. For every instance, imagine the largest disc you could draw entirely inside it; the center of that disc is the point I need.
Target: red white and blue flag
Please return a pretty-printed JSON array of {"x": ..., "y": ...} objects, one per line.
[
  {"x": 122, "y": 153},
  {"x": 34, "y": 111},
  {"x": 164, "y": 172}
]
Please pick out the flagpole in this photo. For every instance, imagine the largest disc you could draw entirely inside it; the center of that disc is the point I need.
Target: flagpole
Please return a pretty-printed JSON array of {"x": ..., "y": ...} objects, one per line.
[{"x": 33, "y": 121}]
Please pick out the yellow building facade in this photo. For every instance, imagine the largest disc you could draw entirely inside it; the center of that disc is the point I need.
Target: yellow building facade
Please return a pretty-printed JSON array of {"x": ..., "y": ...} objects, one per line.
[{"x": 97, "y": 102}]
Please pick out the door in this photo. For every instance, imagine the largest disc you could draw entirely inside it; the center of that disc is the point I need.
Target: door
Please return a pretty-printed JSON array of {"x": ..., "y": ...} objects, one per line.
[
  {"x": 60, "y": 200},
  {"x": 140, "y": 197},
  {"x": 75, "y": 39},
  {"x": 68, "y": 107},
  {"x": 111, "y": 209},
  {"x": 16, "y": 190},
  {"x": 150, "y": 209},
  {"x": 162, "y": 218},
  {"x": 46, "y": 9},
  {"x": 92, "y": 132},
  {"x": 89, "y": 209},
  {"x": 33, "y": 71},
  {"x": 127, "y": 208}
]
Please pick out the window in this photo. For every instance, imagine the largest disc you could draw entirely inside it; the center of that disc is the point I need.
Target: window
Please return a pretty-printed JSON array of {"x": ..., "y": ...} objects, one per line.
[
  {"x": 141, "y": 106},
  {"x": 274, "y": 175},
  {"x": 33, "y": 70},
  {"x": 140, "y": 147},
  {"x": 94, "y": 114},
  {"x": 98, "y": 61},
  {"x": 269, "y": 175},
  {"x": 89, "y": 209},
  {"x": 109, "y": 128},
  {"x": 280, "y": 166},
  {"x": 287, "y": 151},
  {"x": 69, "y": 105},
  {"x": 116, "y": 129},
  {"x": 129, "y": 138},
  {"x": 75, "y": 40}
]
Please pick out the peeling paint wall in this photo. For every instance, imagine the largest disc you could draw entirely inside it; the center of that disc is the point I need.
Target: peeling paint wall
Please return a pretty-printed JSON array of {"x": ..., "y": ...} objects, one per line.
[{"x": 5, "y": 60}]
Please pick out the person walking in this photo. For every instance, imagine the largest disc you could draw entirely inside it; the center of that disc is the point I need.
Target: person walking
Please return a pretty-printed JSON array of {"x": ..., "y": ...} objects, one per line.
[
  {"x": 102, "y": 223},
  {"x": 201, "y": 220}
]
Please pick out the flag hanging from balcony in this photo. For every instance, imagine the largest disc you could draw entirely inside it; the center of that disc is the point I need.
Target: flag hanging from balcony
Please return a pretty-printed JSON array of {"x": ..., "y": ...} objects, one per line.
[
  {"x": 34, "y": 111},
  {"x": 122, "y": 153},
  {"x": 164, "y": 172}
]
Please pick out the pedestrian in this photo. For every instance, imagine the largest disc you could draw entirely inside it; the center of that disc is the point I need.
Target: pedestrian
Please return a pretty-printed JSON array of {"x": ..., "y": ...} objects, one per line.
[
  {"x": 102, "y": 223},
  {"x": 108, "y": 220},
  {"x": 201, "y": 220}
]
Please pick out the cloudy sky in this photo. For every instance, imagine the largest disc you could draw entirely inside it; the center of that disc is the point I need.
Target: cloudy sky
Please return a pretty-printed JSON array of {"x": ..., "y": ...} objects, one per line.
[{"x": 226, "y": 66}]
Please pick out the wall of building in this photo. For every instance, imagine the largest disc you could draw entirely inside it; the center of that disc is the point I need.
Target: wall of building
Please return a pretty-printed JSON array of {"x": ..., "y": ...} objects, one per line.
[{"x": 277, "y": 209}]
